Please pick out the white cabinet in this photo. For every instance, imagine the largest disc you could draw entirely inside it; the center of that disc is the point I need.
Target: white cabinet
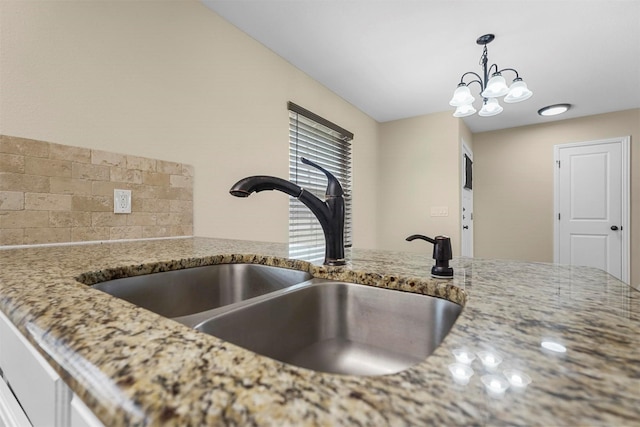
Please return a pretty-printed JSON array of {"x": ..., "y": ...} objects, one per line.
[
  {"x": 11, "y": 414},
  {"x": 31, "y": 391},
  {"x": 81, "y": 415},
  {"x": 41, "y": 392}
]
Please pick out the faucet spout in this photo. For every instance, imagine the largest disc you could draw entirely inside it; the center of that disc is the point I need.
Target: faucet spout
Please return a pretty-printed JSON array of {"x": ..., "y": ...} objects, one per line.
[
  {"x": 330, "y": 213},
  {"x": 255, "y": 184}
]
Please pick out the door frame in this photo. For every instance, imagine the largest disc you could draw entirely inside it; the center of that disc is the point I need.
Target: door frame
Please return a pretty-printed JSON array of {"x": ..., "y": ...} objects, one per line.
[
  {"x": 465, "y": 149},
  {"x": 625, "y": 199}
]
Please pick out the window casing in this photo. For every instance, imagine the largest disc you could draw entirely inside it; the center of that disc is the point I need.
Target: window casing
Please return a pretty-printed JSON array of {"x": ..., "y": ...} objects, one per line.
[{"x": 328, "y": 145}]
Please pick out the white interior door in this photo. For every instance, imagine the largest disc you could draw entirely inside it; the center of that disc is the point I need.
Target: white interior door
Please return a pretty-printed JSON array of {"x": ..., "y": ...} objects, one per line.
[
  {"x": 591, "y": 204},
  {"x": 467, "y": 202}
]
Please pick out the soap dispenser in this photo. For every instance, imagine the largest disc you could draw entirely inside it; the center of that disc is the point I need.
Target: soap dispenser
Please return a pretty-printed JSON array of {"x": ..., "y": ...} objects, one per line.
[{"x": 441, "y": 253}]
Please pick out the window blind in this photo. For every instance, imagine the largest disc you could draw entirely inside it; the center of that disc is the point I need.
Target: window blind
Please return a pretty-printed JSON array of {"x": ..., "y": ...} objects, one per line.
[{"x": 328, "y": 145}]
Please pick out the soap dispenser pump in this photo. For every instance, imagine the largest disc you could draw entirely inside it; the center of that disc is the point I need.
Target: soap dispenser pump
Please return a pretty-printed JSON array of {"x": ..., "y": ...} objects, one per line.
[{"x": 441, "y": 253}]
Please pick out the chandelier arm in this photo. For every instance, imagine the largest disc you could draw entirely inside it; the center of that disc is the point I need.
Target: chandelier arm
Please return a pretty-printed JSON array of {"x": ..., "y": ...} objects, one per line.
[
  {"x": 494, "y": 66},
  {"x": 510, "y": 69},
  {"x": 477, "y": 81},
  {"x": 469, "y": 72}
]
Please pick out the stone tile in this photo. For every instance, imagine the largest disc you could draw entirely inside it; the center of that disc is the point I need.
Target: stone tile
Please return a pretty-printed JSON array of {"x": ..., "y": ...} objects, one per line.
[
  {"x": 187, "y": 170},
  {"x": 24, "y": 219},
  {"x": 12, "y": 236},
  {"x": 155, "y": 205},
  {"x": 136, "y": 203},
  {"x": 105, "y": 188},
  {"x": 88, "y": 171},
  {"x": 85, "y": 234},
  {"x": 23, "y": 146},
  {"x": 181, "y": 206},
  {"x": 169, "y": 167},
  {"x": 132, "y": 176},
  {"x": 141, "y": 218},
  {"x": 175, "y": 218},
  {"x": 176, "y": 193},
  {"x": 69, "y": 219},
  {"x": 11, "y": 163},
  {"x": 154, "y": 178},
  {"x": 155, "y": 231},
  {"x": 64, "y": 193},
  {"x": 11, "y": 200},
  {"x": 47, "y": 167},
  {"x": 108, "y": 219},
  {"x": 141, "y": 163},
  {"x": 181, "y": 181},
  {"x": 46, "y": 235},
  {"x": 22, "y": 182},
  {"x": 147, "y": 192},
  {"x": 181, "y": 230},
  {"x": 47, "y": 202},
  {"x": 133, "y": 232},
  {"x": 106, "y": 158},
  {"x": 59, "y": 185},
  {"x": 92, "y": 203},
  {"x": 67, "y": 152}
]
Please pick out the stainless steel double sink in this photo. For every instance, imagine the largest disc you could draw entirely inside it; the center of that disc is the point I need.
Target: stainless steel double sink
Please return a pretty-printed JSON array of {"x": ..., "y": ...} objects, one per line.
[{"x": 288, "y": 315}]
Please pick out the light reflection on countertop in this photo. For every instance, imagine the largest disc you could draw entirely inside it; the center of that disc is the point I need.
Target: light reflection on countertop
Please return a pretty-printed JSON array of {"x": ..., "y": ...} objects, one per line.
[{"x": 127, "y": 363}]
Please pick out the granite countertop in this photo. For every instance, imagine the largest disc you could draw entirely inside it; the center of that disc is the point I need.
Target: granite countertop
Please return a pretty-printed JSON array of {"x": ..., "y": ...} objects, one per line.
[{"x": 133, "y": 367}]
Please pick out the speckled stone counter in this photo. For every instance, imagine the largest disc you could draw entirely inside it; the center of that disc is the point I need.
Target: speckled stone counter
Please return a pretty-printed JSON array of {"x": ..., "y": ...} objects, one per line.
[{"x": 133, "y": 367}]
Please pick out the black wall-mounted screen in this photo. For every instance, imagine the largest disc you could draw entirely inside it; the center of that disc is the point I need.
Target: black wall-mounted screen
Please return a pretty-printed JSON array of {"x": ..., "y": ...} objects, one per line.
[{"x": 468, "y": 172}]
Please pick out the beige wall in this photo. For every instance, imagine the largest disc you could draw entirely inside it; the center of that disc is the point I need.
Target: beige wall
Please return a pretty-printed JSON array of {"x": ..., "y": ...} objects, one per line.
[
  {"x": 513, "y": 195},
  {"x": 53, "y": 193},
  {"x": 419, "y": 168},
  {"x": 171, "y": 80},
  {"x": 466, "y": 136}
]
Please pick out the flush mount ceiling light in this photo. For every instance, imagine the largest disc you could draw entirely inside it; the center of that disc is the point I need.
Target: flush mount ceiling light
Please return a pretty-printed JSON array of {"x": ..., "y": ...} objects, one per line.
[
  {"x": 490, "y": 88},
  {"x": 554, "y": 110}
]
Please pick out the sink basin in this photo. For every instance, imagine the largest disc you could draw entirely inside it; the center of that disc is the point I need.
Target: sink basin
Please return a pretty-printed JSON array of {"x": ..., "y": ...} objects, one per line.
[
  {"x": 285, "y": 314},
  {"x": 189, "y": 291},
  {"x": 339, "y": 327}
]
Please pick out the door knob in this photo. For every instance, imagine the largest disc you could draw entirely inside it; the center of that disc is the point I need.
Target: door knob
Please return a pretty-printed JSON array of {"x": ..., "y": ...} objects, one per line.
[{"x": 614, "y": 227}]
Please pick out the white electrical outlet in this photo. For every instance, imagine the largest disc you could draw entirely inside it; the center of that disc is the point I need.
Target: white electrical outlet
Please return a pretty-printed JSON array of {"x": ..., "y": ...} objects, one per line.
[{"x": 122, "y": 201}]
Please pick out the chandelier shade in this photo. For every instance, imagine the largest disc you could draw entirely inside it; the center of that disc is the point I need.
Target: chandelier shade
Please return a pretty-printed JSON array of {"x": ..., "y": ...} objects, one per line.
[
  {"x": 464, "y": 110},
  {"x": 497, "y": 86},
  {"x": 490, "y": 88},
  {"x": 461, "y": 96},
  {"x": 491, "y": 107},
  {"x": 518, "y": 91}
]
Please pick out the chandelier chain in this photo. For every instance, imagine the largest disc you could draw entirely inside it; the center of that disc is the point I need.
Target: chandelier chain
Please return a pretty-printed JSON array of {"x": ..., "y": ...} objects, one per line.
[{"x": 484, "y": 57}]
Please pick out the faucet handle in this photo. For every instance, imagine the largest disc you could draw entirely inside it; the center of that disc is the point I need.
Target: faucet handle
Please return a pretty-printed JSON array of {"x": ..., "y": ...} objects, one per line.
[{"x": 334, "y": 189}]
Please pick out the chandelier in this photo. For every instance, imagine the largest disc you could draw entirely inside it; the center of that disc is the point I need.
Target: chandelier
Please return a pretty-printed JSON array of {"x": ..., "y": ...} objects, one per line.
[{"x": 490, "y": 88}]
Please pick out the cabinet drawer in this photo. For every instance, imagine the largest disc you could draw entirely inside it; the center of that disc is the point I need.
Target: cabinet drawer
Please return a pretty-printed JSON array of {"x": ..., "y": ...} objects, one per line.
[{"x": 39, "y": 389}]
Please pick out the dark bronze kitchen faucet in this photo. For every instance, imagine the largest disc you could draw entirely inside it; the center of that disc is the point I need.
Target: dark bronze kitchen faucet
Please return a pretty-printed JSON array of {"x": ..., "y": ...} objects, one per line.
[{"x": 330, "y": 213}]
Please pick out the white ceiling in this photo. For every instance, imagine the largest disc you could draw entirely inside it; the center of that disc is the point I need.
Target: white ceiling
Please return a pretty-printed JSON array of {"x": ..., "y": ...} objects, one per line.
[{"x": 394, "y": 59}]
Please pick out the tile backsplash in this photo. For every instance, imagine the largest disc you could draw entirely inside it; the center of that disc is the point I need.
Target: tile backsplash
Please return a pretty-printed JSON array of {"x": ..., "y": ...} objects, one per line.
[{"x": 53, "y": 193}]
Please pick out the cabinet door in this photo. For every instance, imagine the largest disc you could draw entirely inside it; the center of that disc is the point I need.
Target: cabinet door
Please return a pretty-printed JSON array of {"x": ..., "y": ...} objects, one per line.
[
  {"x": 41, "y": 392},
  {"x": 81, "y": 415},
  {"x": 11, "y": 414}
]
